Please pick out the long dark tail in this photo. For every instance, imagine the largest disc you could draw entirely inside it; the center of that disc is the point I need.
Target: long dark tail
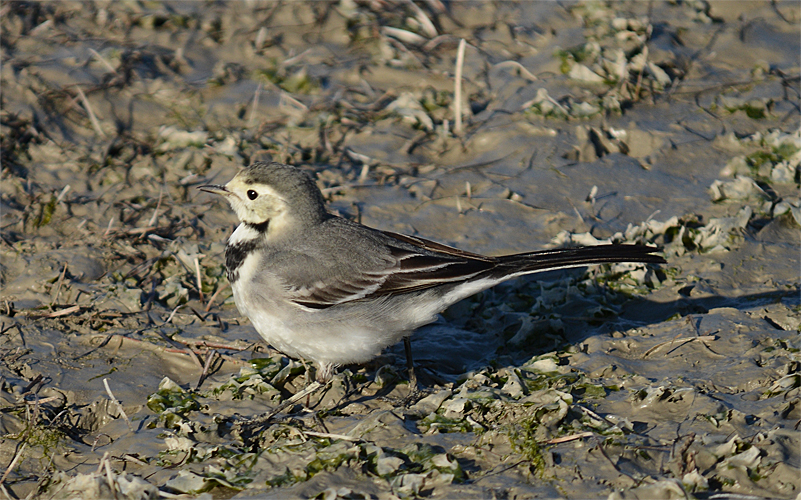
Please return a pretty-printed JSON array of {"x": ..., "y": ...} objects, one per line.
[{"x": 561, "y": 258}]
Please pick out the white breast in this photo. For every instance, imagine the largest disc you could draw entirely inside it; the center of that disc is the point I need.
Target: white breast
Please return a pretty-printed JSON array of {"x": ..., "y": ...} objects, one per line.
[{"x": 243, "y": 233}]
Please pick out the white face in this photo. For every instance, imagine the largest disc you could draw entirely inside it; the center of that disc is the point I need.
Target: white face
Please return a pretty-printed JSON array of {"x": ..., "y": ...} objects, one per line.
[{"x": 254, "y": 203}]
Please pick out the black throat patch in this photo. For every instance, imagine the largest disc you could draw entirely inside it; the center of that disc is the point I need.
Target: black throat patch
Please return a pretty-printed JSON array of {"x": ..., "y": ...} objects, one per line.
[
  {"x": 261, "y": 228},
  {"x": 235, "y": 254}
]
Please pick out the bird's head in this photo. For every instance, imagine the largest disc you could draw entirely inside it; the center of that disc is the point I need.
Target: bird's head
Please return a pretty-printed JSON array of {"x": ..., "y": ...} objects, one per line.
[{"x": 273, "y": 194}]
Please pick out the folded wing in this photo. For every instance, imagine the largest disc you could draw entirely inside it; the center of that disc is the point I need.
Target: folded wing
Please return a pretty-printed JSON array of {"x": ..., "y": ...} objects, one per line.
[{"x": 381, "y": 263}]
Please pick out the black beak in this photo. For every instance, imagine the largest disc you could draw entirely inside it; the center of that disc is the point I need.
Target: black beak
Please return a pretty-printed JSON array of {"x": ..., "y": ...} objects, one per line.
[{"x": 215, "y": 189}]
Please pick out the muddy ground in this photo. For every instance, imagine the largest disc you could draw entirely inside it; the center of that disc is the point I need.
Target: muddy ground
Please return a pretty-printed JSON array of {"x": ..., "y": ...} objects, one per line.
[{"x": 125, "y": 365}]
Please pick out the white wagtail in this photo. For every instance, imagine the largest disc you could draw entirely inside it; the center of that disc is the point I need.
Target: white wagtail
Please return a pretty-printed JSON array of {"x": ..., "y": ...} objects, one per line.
[{"x": 323, "y": 288}]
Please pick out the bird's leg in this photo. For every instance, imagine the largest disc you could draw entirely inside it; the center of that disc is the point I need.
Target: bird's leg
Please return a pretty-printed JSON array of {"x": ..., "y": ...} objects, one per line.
[
  {"x": 306, "y": 375},
  {"x": 324, "y": 372},
  {"x": 407, "y": 346}
]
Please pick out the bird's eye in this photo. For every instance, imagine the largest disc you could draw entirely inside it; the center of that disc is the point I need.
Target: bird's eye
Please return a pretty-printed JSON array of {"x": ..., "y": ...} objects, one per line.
[{"x": 252, "y": 194}]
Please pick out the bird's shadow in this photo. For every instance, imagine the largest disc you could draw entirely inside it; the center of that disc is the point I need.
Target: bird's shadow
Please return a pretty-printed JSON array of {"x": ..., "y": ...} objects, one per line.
[{"x": 446, "y": 353}]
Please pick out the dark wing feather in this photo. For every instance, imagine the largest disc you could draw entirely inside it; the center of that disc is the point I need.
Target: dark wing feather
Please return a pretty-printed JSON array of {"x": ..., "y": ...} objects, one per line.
[
  {"x": 561, "y": 258},
  {"x": 390, "y": 263},
  {"x": 336, "y": 291},
  {"x": 412, "y": 264}
]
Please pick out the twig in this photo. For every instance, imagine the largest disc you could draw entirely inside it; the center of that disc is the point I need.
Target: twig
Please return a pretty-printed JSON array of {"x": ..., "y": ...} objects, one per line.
[
  {"x": 197, "y": 314},
  {"x": 593, "y": 414},
  {"x": 92, "y": 117},
  {"x": 58, "y": 286},
  {"x": 636, "y": 96},
  {"x": 778, "y": 384},
  {"x": 214, "y": 296},
  {"x": 102, "y": 344},
  {"x": 436, "y": 42},
  {"x": 565, "y": 439},
  {"x": 206, "y": 366},
  {"x": 105, "y": 63},
  {"x": 106, "y": 463},
  {"x": 681, "y": 341},
  {"x": 130, "y": 458},
  {"x": 32, "y": 383},
  {"x": 457, "y": 91},
  {"x": 172, "y": 314},
  {"x": 331, "y": 436},
  {"x": 5, "y": 328},
  {"x": 523, "y": 71},
  {"x": 600, "y": 447},
  {"x": 233, "y": 360},
  {"x": 425, "y": 23},
  {"x": 63, "y": 193},
  {"x": 775, "y": 6},
  {"x": 255, "y": 105},
  {"x": 213, "y": 345},
  {"x": 13, "y": 463},
  {"x": 110, "y": 225},
  {"x": 100, "y": 463},
  {"x": 495, "y": 473},
  {"x": 291, "y": 105},
  {"x": 3, "y": 488},
  {"x": 139, "y": 230},
  {"x": 403, "y": 36},
  {"x": 199, "y": 282},
  {"x": 192, "y": 354},
  {"x": 151, "y": 224},
  {"x": 261, "y": 37},
  {"x": 56, "y": 314},
  {"x": 119, "y": 405},
  {"x": 42, "y": 401},
  {"x": 262, "y": 419},
  {"x": 293, "y": 60}
]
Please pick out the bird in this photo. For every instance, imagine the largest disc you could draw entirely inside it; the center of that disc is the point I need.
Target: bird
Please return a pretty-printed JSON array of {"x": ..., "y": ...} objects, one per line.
[{"x": 329, "y": 290}]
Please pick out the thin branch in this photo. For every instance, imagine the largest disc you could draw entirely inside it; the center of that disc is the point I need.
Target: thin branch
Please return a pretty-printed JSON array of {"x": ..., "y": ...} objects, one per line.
[
  {"x": 680, "y": 341},
  {"x": 331, "y": 436},
  {"x": 92, "y": 117},
  {"x": 103, "y": 61},
  {"x": 262, "y": 419},
  {"x": 119, "y": 405},
  {"x": 457, "y": 91},
  {"x": 254, "y": 106},
  {"x": 211, "y": 299},
  {"x": 62, "y": 312},
  {"x": 199, "y": 281},
  {"x": 572, "y": 437},
  {"x": 58, "y": 286},
  {"x": 108, "y": 229},
  {"x": 13, "y": 463},
  {"x": 520, "y": 68},
  {"x": 152, "y": 222},
  {"x": 205, "y": 373}
]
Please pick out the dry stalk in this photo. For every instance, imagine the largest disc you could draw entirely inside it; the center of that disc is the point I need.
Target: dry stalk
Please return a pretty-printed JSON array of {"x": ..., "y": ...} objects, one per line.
[
  {"x": 13, "y": 463},
  {"x": 92, "y": 117},
  {"x": 199, "y": 281},
  {"x": 119, "y": 405},
  {"x": 457, "y": 91}
]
